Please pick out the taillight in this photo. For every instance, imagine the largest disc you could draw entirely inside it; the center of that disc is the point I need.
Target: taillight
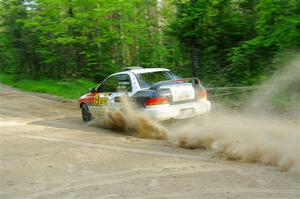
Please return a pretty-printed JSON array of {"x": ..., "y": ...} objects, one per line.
[
  {"x": 156, "y": 101},
  {"x": 202, "y": 94}
]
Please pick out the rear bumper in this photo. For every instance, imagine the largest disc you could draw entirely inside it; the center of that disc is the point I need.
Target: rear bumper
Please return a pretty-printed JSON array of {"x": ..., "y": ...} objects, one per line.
[{"x": 166, "y": 112}]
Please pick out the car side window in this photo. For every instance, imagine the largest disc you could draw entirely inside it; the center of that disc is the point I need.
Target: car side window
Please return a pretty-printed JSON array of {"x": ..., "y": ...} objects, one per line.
[
  {"x": 117, "y": 83},
  {"x": 109, "y": 85},
  {"x": 124, "y": 83}
]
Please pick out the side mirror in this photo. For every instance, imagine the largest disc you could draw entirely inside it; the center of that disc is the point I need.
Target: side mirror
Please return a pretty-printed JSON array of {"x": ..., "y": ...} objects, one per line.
[
  {"x": 196, "y": 81},
  {"x": 92, "y": 90}
]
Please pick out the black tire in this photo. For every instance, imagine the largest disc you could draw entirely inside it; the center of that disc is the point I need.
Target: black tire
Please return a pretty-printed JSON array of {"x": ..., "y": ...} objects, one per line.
[{"x": 86, "y": 115}]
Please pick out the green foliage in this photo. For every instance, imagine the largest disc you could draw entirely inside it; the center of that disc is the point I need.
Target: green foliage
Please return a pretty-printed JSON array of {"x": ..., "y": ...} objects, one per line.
[
  {"x": 236, "y": 40},
  {"x": 70, "y": 89},
  {"x": 224, "y": 42},
  {"x": 92, "y": 38}
]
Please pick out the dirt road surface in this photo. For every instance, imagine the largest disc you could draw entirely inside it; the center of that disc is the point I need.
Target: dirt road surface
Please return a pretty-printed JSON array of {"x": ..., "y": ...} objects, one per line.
[{"x": 47, "y": 152}]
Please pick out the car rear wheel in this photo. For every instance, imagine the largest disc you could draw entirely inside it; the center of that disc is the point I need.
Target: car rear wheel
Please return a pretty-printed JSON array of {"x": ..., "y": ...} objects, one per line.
[{"x": 86, "y": 115}]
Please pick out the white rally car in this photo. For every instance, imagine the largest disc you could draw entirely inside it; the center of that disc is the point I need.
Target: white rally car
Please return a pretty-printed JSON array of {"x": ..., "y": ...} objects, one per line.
[{"x": 156, "y": 91}]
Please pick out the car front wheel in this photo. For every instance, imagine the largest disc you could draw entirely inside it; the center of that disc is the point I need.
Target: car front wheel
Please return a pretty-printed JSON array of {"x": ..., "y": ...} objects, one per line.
[{"x": 86, "y": 115}]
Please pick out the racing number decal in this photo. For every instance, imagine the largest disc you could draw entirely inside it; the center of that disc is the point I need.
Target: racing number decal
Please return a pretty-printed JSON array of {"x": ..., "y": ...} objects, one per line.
[{"x": 101, "y": 99}]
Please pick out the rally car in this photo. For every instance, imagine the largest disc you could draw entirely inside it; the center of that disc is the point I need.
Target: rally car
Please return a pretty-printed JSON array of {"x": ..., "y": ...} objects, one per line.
[{"x": 156, "y": 91}]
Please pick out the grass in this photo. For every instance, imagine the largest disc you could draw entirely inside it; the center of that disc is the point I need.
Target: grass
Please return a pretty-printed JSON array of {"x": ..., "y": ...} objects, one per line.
[{"x": 69, "y": 89}]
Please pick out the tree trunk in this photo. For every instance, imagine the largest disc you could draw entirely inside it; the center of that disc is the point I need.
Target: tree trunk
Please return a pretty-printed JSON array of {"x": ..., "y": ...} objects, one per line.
[
  {"x": 195, "y": 60},
  {"x": 194, "y": 52},
  {"x": 159, "y": 6},
  {"x": 122, "y": 61}
]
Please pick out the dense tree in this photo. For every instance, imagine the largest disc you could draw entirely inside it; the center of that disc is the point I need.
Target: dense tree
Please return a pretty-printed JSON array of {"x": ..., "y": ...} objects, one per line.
[
  {"x": 92, "y": 38},
  {"x": 221, "y": 41},
  {"x": 234, "y": 42},
  {"x": 277, "y": 27}
]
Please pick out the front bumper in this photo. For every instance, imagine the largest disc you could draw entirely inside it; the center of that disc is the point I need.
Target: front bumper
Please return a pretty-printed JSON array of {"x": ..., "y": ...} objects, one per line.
[{"x": 166, "y": 112}]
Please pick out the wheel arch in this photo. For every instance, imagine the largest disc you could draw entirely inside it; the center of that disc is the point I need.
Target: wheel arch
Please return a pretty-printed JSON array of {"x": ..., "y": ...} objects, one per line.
[{"x": 81, "y": 104}]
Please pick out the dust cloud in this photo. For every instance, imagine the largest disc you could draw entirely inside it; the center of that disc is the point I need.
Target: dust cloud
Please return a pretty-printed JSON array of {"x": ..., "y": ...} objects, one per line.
[
  {"x": 281, "y": 92},
  {"x": 240, "y": 137},
  {"x": 130, "y": 121},
  {"x": 258, "y": 133}
]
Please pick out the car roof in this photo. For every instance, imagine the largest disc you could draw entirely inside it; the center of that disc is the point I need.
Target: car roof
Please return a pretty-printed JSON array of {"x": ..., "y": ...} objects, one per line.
[{"x": 142, "y": 70}]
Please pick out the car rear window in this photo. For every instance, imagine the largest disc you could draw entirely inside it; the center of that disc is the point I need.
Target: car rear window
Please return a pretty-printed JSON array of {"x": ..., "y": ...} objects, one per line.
[{"x": 146, "y": 80}]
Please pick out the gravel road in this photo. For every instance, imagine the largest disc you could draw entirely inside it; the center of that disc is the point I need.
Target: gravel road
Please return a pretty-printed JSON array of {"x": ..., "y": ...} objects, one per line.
[{"x": 48, "y": 152}]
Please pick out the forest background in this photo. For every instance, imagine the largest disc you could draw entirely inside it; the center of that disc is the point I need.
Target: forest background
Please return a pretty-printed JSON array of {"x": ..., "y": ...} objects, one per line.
[{"x": 65, "y": 46}]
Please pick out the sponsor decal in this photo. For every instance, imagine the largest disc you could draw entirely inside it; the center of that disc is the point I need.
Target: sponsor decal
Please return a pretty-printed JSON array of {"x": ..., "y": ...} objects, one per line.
[{"x": 101, "y": 99}]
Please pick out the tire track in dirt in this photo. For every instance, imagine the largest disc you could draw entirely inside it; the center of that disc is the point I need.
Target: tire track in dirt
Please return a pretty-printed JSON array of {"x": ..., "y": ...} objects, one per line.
[
  {"x": 120, "y": 177},
  {"x": 131, "y": 166},
  {"x": 111, "y": 147}
]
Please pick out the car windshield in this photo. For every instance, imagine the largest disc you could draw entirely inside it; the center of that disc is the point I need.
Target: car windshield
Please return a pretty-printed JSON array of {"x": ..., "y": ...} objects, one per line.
[{"x": 146, "y": 80}]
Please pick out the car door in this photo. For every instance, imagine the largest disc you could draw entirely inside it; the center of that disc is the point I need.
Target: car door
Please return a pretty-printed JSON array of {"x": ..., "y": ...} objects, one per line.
[{"x": 110, "y": 92}]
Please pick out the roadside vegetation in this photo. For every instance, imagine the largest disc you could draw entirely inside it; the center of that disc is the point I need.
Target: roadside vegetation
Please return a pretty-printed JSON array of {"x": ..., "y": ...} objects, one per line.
[
  {"x": 48, "y": 45},
  {"x": 68, "y": 88}
]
